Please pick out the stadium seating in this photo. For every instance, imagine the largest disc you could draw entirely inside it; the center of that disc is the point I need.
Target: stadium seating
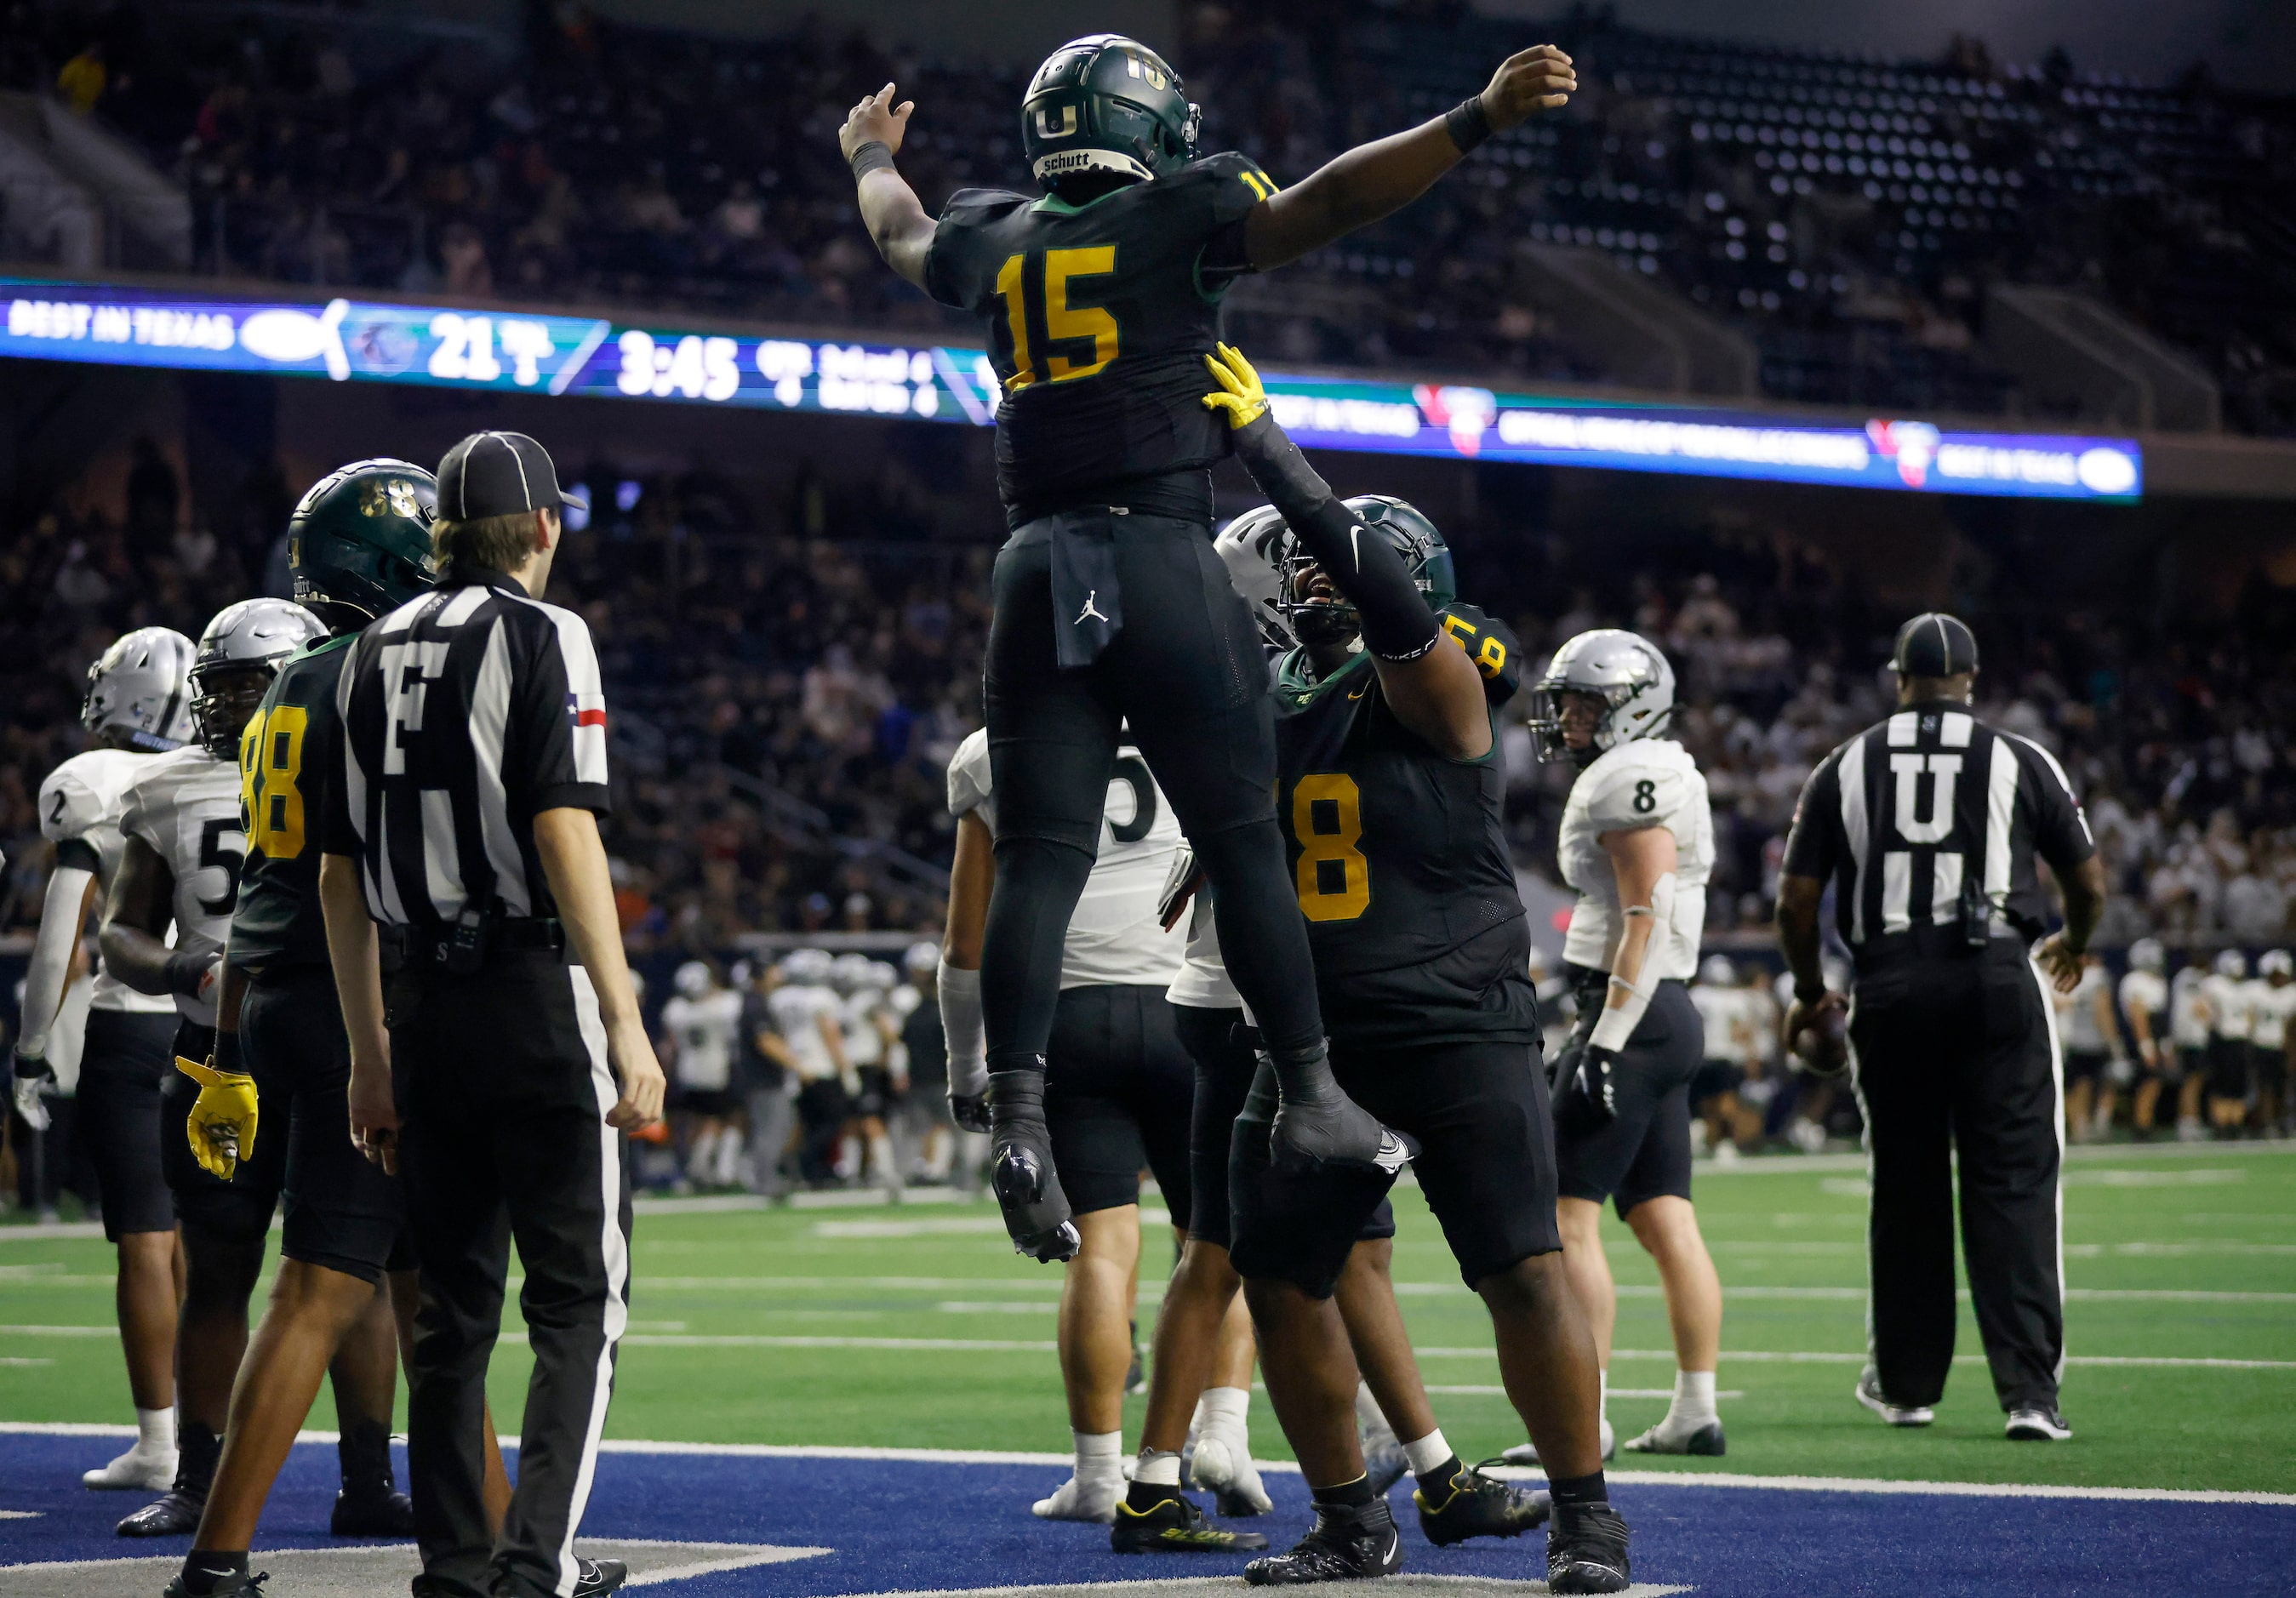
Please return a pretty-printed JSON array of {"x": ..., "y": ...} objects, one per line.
[{"x": 1847, "y": 214}]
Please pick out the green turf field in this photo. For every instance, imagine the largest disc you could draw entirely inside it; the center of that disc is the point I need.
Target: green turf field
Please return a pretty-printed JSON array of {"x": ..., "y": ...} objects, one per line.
[{"x": 916, "y": 1327}]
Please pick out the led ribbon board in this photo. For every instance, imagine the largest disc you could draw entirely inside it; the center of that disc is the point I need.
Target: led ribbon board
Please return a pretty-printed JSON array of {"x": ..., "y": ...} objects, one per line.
[{"x": 358, "y": 341}]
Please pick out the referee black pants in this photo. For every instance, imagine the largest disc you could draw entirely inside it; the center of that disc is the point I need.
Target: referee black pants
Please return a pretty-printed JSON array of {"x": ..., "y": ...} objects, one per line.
[
  {"x": 503, "y": 1089},
  {"x": 1958, "y": 1054}
]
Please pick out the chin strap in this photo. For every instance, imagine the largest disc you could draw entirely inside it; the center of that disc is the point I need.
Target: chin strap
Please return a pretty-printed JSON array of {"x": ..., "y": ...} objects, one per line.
[{"x": 1618, "y": 1020}]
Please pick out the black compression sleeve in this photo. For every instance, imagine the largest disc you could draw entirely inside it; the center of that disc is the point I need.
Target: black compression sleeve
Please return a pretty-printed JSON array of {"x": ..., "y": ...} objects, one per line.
[{"x": 1397, "y": 623}]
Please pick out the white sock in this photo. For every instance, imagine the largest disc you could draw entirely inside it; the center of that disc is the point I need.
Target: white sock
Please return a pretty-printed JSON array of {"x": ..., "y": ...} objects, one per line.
[
  {"x": 1427, "y": 1453},
  {"x": 1694, "y": 1402},
  {"x": 880, "y": 1157},
  {"x": 1157, "y": 1468},
  {"x": 1223, "y": 1409},
  {"x": 1602, "y": 1406},
  {"x": 155, "y": 1430},
  {"x": 1099, "y": 1453},
  {"x": 1368, "y": 1415}
]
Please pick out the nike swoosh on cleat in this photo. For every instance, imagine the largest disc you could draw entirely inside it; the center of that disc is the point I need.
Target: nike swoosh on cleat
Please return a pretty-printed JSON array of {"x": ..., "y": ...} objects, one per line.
[{"x": 1393, "y": 1154}]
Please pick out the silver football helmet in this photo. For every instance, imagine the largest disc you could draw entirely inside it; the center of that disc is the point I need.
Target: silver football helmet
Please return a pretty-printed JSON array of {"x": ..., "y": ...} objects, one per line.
[
  {"x": 849, "y": 971},
  {"x": 1627, "y": 671},
  {"x": 136, "y": 687},
  {"x": 807, "y": 968},
  {"x": 2231, "y": 965},
  {"x": 692, "y": 980},
  {"x": 1254, "y": 547},
  {"x": 2147, "y": 954},
  {"x": 1716, "y": 971},
  {"x": 2275, "y": 963},
  {"x": 238, "y": 654}
]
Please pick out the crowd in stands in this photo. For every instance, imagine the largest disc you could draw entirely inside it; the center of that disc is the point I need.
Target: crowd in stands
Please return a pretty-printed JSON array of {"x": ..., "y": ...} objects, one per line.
[{"x": 1847, "y": 214}]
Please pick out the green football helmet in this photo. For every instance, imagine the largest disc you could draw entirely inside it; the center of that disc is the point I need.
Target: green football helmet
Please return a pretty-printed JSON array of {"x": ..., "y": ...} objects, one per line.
[
  {"x": 359, "y": 541},
  {"x": 1106, "y": 104}
]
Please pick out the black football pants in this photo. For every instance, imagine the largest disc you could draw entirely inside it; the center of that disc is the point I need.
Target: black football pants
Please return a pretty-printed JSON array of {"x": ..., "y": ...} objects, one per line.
[
  {"x": 503, "y": 1087},
  {"x": 1960, "y": 1055},
  {"x": 1187, "y": 673}
]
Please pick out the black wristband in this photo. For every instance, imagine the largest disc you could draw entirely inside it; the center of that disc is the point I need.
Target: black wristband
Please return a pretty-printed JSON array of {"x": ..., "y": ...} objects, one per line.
[
  {"x": 1808, "y": 998},
  {"x": 186, "y": 971},
  {"x": 1468, "y": 123},
  {"x": 874, "y": 156},
  {"x": 227, "y": 1057}
]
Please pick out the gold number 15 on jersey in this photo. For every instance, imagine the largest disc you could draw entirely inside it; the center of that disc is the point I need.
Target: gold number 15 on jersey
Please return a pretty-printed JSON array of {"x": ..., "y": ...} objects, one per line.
[
  {"x": 1044, "y": 277},
  {"x": 270, "y": 767},
  {"x": 1333, "y": 877}
]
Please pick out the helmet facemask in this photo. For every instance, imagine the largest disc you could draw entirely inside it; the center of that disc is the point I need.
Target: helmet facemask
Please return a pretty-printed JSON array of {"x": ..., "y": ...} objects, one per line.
[{"x": 224, "y": 698}]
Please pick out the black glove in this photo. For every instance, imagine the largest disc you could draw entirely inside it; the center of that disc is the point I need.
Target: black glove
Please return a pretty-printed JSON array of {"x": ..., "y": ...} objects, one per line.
[
  {"x": 1317, "y": 1125},
  {"x": 1020, "y": 1171},
  {"x": 1588, "y": 1097},
  {"x": 969, "y": 1110}
]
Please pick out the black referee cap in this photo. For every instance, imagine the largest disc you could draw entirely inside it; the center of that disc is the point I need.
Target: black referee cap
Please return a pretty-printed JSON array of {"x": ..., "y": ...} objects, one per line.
[
  {"x": 1934, "y": 644},
  {"x": 499, "y": 474}
]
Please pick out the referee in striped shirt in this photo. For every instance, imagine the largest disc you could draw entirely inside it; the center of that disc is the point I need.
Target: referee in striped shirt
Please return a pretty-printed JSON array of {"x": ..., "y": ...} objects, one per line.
[
  {"x": 474, "y": 942},
  {"x": 1927, "y": 826}
]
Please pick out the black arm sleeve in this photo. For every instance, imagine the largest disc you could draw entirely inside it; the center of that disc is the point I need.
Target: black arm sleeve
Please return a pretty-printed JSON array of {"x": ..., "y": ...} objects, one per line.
[
  {"x": 79, "y": 855},
  {"x": 1397, "y": 624}
]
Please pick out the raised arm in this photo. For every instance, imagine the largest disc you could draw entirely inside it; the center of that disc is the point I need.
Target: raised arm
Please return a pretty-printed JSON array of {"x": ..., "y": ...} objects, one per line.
[
  {"x": 890, "y": 208},
  {"x": 1375, "y": 180},
  {"x": 1437, "y": 693}
]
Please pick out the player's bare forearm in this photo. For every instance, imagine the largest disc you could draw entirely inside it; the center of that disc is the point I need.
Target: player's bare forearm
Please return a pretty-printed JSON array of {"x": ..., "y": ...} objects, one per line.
[
  {"x": 1440, "y": 697},
  {"x": 1798, "y": 903},
  {"x": 135, "y": 917},
  {"x": 574, "y": 863},
  {"x": 1361, "y": 185},
  {"x": 971, "y": 878},
  {"x": 2084, "y": 891},
  {"x": 1639, "y": 857},
  {"x": 896, "y": 219},
  {"x": 355, "y": 957},
  {"x": 897, "y": 223}
]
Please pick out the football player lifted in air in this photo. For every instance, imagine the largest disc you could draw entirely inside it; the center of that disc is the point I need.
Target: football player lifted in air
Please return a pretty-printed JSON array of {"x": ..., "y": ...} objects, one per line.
[
  {"x": 1100, "y": 299},
  {"x": 1389, "y": 792},
  {"x": 359, "y": 545},
  {"x": 135, "y": 708},
  {"x": 1637, "y": 842}
]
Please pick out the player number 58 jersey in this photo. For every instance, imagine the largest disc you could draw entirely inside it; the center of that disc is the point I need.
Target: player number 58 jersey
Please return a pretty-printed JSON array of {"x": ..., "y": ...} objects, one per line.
[
  {"x": 185, "y": 805},
  {"x": 1648, "y": 782}
]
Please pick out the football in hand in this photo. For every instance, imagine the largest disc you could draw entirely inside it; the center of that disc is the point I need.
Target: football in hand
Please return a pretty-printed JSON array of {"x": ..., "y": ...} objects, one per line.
[{"x": 1822, "y": 1044}]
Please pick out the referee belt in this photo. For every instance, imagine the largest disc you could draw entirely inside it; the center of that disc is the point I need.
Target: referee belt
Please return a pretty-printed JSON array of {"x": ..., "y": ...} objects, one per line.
[{"x": 425, "y": 948}]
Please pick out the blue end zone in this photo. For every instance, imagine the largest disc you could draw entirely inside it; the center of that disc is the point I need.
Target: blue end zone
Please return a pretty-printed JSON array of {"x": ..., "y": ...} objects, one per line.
[{"x": 896, "y": 1525}]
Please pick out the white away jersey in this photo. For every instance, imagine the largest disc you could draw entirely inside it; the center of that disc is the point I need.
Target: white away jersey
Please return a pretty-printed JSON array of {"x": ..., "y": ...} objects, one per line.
[
  {"x": 2188, "y": 1009},
  {"x": 1649, "y": 782},
  {"x": 2144, "y": 993},
  {"x": 797, "y": 1011},
  {"x": 858, "y": 1013},
  {"x": 185, "y": 805},
  {"x": 1202, "y": 983},
  {"x": 2230, "y": 1012},
  {"x": 707, "y": 1034},
  {"x": 1113, "y": 937},
  {"x": 2268, "y": 1010},
  {"x": 2083, "y": 1034},
  {"x": 1726, "y": 1014},
  {"x": 81, "y": 802}
]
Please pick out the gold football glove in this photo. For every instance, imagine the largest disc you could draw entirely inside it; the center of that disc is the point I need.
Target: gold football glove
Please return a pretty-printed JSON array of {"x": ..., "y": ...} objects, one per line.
[
  {"x": 221, "y": 1126},
  {"x": 1239, "y": 394}
]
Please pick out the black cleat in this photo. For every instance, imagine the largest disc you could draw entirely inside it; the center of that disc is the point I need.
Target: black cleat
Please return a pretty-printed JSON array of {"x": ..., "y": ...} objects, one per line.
[
  {"x": 1477, "y": 1506},
  {"x": 1176, "y": 1526},
  {"x": 1707, "y": 1442},
  {"x": 1344, "y": 1545},
  {"x": 596, "y": 1576},
  {"x": 378, "y": 1512},
  {"x": 175, "y": 1514},
  {"x": 238, "y": 1584},
  {"x": 1587, "y": 1550}
]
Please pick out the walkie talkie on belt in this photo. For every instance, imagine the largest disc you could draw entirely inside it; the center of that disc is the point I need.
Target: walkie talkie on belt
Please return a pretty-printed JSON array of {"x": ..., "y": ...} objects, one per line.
[
  {"x": 1976, "y": 915},
  {"x": 465, "y": 952}
]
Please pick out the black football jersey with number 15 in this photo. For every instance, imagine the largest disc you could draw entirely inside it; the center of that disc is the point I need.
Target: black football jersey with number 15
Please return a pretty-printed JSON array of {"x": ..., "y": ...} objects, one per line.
[
  {"x": 1399, "y": 856},
  {"x": 1098, "y": 319},
  {"x": 285, "y": 755}
]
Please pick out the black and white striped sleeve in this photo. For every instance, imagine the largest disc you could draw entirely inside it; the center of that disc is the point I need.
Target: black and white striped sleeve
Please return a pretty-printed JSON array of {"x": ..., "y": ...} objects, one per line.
[
  {"x": 2060, "y": 834},
  {"x": 559, "y": 721}
]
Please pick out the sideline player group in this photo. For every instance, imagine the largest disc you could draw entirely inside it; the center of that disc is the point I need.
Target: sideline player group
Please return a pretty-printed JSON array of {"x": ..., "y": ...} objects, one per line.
[{"x": 1233, "y": 903}]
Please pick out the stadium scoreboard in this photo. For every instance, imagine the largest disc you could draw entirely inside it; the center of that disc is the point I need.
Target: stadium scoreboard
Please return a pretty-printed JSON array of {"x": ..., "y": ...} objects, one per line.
[{"x": 464, "y": 347}]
